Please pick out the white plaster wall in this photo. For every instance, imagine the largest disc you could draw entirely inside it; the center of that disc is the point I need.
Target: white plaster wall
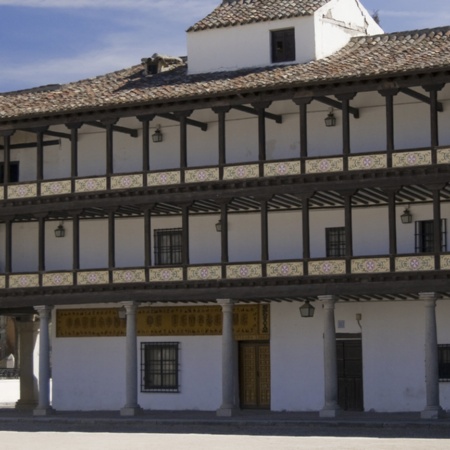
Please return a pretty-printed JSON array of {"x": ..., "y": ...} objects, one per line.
[
  {"x": 200, "y": 375},
  {"x": 245, "y": 46}
]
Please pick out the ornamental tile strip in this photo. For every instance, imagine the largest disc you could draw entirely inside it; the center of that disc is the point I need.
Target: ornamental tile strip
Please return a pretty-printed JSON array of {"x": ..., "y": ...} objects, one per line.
[
  {"x": 367, "y": 162},
  {"x": 325, "y": 165},
  {"x": 2, "y": 193},
  {"x": 202, "y": 175},
  {"x": 23, "y": 281},
  {"x": 285, "y": 269},
  {"x": 22, "y": 190},
  {"x": 56, "y": 187},
  {"x": 166, "y": 274},
  {"x": 126, "y": 181},
  {"x": 90, "y": 184},
  {"x": 2, "y": 282},
  {"x": 129, "y": 276},
  {"x": 244, "y": 271},
  {"x": 57, "y": 279},
  {"x": 443, "y": 156},
  {"x": 408, "y": 159},
  {"x": 239, "y": 172},
  {"x": 282, "y": 168},
  {"x": 204, "y": 273},
  {"x": 414, "y": 263},
  {"x": 327, "y": 267},
  {"x": 164, "y": 178},
  {"x": 370, "y": 265},
  {"x": 93, "y": 277},
  {"x": 445, "y": 262}
]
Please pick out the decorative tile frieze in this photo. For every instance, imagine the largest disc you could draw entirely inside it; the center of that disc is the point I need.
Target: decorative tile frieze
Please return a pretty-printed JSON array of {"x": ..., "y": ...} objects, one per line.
[
  {"x": 56, "y": 187},
  {"x": 129, "y": 276},
  {"x": 166, "y": 274},
  {"x": 164, "y": 178},
  {"x": 327, "y": 267},
  {"x": 370, "y": 265},
  {"x": 2, "y": 282},
  {"x": 90, "y": 184},
  {"x": 414, "y": 263},
  {"x": 205, "y": 273},
  {"x": 24, "y": 281},
  {"x": 285, "y": 269},
  {"x": 2, "y": 193},
  {"x": 408, "y": 159},
  {"x": 93, "y": 277},
  {"x": 244, "y": 271},
  {"x": 57, "y": 279},
  {"x": 126, "y": 181},
  {"x": 367, "y": 162},
  {"x": 201, "y": 175},
  {"x": 242, "y": 171},
  {"x": 445, "y": 262},
  {"x": 22, "y": 190},
  {"x": 443, "y": 156},
  {"x": 282, "y": 168},
  {"x": 325, "y": 165}
]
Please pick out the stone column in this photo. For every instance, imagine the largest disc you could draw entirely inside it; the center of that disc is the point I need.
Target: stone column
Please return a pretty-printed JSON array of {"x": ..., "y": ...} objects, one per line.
[
  {"x": 331, "y": 407},
  {"x": 43, "y": 408},
  {"x": 433, "y": 409},
  {"x": 228, "y": 407},
  {"x": 27, "y": 333},
  {"x": 131, "y": 407}
]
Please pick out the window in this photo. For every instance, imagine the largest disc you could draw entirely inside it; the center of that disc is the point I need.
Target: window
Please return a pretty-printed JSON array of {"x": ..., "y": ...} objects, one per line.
[
  {"x": 444, "y": 362},
  {"x": 168, "y": 246},
  {"x": 335, "y": 240},
  {"x": 283, "y": 45},
  {"x": 424, "y": 236},
  {"x": 13, "y": 172},
  {"x": 159, "y": 367}
]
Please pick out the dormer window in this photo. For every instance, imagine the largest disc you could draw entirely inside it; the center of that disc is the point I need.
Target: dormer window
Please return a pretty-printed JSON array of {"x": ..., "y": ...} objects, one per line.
[{"x": 283, "y": 45}]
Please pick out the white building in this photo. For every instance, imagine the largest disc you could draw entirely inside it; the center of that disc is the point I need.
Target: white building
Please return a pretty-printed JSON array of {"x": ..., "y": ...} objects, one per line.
[{"x": 188, "y": 194}]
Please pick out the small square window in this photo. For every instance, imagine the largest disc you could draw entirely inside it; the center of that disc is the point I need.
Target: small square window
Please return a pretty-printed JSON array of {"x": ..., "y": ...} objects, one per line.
[
  {"x": 159, "y": 367},
  {"x": 283, "y": 45},
  {"x": 335, "y": 241}
]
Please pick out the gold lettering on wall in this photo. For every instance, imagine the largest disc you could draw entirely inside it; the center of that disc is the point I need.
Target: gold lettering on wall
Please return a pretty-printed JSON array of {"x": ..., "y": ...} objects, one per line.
[{"x": 251, "y": 322}]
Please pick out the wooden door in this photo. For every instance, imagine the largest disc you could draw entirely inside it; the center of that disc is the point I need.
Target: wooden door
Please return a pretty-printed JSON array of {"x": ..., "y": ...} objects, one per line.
[
  {"x": 254, "y": 375},
  {"x": 350, "y": 375}
]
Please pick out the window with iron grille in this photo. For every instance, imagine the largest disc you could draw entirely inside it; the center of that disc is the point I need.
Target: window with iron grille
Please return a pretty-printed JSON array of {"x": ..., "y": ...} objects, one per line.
[
  {"x": 335, "y": 241},
  {"x": 13, "y": 172},
  {"x": 283, "y": 45},
  {"x": 168, "y": 246},
  {"x": 444, "y": 362},
  {"x": 159, "y": 367},
  {"x": 424, "y": 236}
]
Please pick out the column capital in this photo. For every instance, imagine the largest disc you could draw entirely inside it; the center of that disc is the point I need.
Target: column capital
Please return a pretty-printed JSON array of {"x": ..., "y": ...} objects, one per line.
[
  {"x": 328, "y": 300},
  {"x": 225, "y": 301},
  {"x": 130, "y": 306},
  {"x": 44, "y": 310},
  {"x": 221, "y": 109},
  {"x": 429, "y": 296}
]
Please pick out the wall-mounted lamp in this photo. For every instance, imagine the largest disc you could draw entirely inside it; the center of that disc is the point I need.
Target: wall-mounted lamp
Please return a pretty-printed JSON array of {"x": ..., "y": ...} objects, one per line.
[
  {"x": 157, "y": 136},
  {"x": 330, "y": 120},
  {"x": 60, "y": 230},
  {"x": 219, "y": 226},
  {"x": 307, "y": 310},
  {"x": 406, "y": 217}
]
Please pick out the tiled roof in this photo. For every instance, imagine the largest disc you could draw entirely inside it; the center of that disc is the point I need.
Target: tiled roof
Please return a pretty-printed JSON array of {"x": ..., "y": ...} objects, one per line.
[
  {"x": 362, "y": 57},
  {"x": 239, "y": 12}
]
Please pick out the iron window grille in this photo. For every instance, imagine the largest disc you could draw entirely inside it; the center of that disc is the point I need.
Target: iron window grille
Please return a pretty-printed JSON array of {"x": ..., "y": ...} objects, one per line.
[
  {"x": 159, "y": 367},
  {"x": 168, "y": 246},
  {"x": 283, "y": 45},
  {"x": 444, "y": 362},
  {"x": 13, "y": 172},
  {"x": 424, "y": 236},
  {"x": 335, "y": 241}
]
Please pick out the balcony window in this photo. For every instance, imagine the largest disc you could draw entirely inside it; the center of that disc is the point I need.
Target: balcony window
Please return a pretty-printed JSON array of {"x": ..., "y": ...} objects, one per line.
[
  {"x": 335, "y": 241},
  {"x": 168, "y": 246},
  {"x": 283, "y": 45},
  {"x": 424, "y": 236}
]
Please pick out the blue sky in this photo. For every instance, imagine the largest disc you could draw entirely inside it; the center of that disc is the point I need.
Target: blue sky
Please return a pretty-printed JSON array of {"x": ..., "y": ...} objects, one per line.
[{"x": 57, "y": 41}]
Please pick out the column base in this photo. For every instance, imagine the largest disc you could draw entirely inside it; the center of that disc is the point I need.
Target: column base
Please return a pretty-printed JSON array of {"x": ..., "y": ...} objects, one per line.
[
  {"x": 130, "y": 411},
  {"x": 25, "y": 405},
  {"x": 225, "y": 411},
  {"x": 329, "y": 413},
  {"x": 47, "y": 411},
  {"x": 432, "y": 413}
]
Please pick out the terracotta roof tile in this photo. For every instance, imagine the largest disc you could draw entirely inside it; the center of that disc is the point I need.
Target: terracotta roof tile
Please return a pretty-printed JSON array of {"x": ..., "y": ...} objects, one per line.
[
  {"x": 239, "y": 12},
  {"x": 381, "y": 55}
]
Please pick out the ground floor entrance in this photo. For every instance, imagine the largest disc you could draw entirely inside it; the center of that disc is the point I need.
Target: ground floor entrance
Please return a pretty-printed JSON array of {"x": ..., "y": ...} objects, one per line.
[{"x": 254, "y": 375}]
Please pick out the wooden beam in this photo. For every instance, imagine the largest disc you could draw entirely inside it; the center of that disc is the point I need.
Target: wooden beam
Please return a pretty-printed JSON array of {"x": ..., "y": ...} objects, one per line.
[
  {"x": 421, "y": 97},
  {"x": 337, "y": 105},
  {"x": 247, "y": 109},
  {"x": 51, "y": 133},
  {"x": 195, "y": 123},
  {"x": 130, "y": 131},
  {"x": 32, "y": 144}
]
